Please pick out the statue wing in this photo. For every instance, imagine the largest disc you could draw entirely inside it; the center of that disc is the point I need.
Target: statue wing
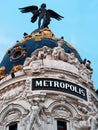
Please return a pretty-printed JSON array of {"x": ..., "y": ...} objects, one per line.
[
  {"x": 55, "y": 15},
  {"x": 32, "y": 9},
  {"x": 28, "y": 9}
]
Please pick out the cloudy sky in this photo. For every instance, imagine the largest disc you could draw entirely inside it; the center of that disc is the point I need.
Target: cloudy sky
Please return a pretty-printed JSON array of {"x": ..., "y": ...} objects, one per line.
[{"x": 79, "y": 26}]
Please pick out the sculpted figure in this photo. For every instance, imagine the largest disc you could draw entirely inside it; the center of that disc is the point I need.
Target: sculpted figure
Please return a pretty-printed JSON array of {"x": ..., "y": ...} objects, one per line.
[
  {"x": 93, "y": 120},
  {"x": 87, "y": 123},
  {"x": 55, "y": 53},
  {"x": 72, "y": 59},
  {"x": 84, "y": 71},
  {"x": 27, "y": 61},
  {"x": 83, "y": 109},
  {"x": 42, "y": 52},
  {"x": 34, "y": 116},
  {"x": 82, "y": 124},
  {"x": 63, "y": 55},
  {"x": 42, "y": 13},
  {"x": 59, "y": 53},
  {"x": 87, "y": 63},
  {"x": 48, "y": 54}
]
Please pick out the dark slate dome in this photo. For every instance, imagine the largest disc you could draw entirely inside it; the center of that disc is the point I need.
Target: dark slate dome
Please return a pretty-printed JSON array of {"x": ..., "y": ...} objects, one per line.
[{"x": 22, "y": 49}]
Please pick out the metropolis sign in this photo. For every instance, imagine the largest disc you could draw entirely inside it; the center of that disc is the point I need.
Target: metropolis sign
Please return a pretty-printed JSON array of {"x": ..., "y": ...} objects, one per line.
[{"x": 59, "y": 85}]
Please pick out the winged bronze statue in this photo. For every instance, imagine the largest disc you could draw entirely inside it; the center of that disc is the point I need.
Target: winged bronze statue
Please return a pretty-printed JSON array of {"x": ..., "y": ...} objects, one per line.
[{"x": 41, "y": 14}]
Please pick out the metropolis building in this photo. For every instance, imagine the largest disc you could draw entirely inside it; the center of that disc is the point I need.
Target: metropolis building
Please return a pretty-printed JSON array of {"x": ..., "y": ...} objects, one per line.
[{"x": 46, "y": 85}]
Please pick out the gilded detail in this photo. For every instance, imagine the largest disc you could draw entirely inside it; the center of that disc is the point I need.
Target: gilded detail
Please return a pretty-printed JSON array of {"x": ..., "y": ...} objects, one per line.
[
  {"x": 17, "y": 53},
  {"x": 37, "y": 36},
  {"x": 2, "y": 72},
  {"x": 42, "y": 33},
  {"x": 16, "y": 68}
]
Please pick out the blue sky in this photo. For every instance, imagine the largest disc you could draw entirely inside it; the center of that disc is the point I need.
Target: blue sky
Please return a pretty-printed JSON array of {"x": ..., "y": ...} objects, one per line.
[{"x": 79, "y": 26}]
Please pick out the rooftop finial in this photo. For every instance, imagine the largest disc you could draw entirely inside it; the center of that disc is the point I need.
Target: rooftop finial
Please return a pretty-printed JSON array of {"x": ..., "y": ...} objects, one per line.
[{"x": 42, "y": 13}]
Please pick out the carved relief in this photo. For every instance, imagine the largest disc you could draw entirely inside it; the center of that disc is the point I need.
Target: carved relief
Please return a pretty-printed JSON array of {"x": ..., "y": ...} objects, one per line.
[
  {"x": 72, "y": 59},
  {"x": 28, "y": 83},
  {"x": 82, "y": 109},
  {"x": 12, "y": 93},
  {"x": 86, "y": 122},
  {"x": 94, "y": 122},
  {"x": 92, "y": 104},
  {"x": 62, "y": 112},
  {"x": 36, "y": 61},
  {"x": 83, "y": 125},
  {"x": 59, "y": 54},
  {"x": 84, "y": 72},
  {"x": 56, "y": 53},
  {"x": 12, "y": 116},
  {"x": 35, "y": 66},
  {"x": 12, "y": 113},
  {"x": 27, "y": 61}
]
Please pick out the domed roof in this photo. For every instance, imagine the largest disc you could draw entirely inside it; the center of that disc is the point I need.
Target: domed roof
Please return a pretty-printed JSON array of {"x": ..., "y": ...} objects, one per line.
[{"x": 17, "y": 54}]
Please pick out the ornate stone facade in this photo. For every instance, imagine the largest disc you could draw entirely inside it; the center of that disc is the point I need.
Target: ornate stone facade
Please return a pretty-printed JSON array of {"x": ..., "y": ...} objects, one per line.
[{"x": 26, "y": 108}]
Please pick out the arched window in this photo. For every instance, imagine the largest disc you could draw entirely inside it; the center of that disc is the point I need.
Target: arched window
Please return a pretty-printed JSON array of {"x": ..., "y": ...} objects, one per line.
[
  {"x": 13, "y": 126},
  {"x": 61, "y": 125},
  {"x": 10, "y": 117}
]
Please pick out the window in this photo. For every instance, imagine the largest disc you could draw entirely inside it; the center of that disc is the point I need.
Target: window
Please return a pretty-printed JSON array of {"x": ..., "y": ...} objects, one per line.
[
  {"x": 61, "y": 125},
  {"x": 13, "y": 126}
]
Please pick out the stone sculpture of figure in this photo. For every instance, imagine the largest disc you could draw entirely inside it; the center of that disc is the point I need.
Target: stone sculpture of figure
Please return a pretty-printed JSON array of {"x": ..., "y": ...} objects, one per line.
[
  {"x": 82, "y": 124},
  {"x": 87, "y": 63},
  {"x": 42, "y": 13},
  {"x": 59, "y": 53},
  {"x": 87, "y": 123},
  {"x": 49, "y": 54},
  {"x": 85, "y": 69},
  {"x": 93, "y": 120},
  {"x": 72, "y": 59},
  {"x": 42, "y": 52},
  {"x": 34, "y": 117},
  {"x": 56, "y": 53}
]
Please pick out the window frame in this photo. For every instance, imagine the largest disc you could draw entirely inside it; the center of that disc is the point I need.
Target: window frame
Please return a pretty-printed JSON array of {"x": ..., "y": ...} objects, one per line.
[
  {"x": 59, "y": 122},
  {"x": 68, "y": 125},
  {"x": 12, "y": 123}
]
